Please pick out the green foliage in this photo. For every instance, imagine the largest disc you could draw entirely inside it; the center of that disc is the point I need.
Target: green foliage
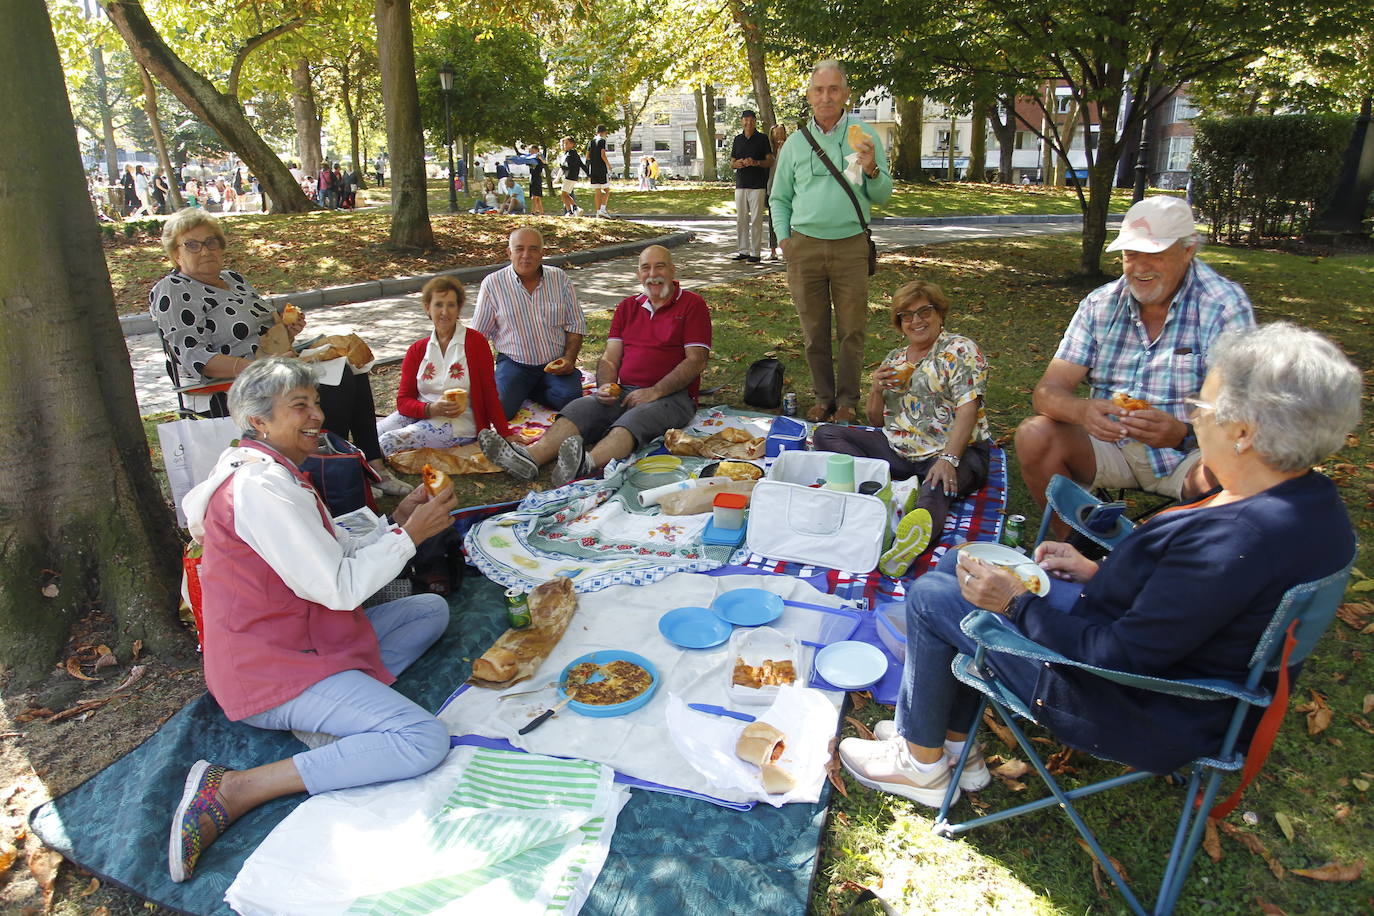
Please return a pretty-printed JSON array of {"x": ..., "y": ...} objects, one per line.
[{"x": 1264, "y": 177}]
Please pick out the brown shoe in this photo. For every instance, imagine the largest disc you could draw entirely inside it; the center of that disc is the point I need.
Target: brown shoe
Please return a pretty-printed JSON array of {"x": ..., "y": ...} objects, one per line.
[
  {"x": 818, "y": 413},
  {"x": 843, "y": 415}
]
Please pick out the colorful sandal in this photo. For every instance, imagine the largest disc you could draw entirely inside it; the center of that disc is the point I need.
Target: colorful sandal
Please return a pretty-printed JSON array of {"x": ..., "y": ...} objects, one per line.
[{"x": 200, "y": 796}]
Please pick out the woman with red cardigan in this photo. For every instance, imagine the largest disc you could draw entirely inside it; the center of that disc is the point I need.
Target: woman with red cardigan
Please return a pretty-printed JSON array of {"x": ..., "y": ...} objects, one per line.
[{"x": 453, "y": 357}]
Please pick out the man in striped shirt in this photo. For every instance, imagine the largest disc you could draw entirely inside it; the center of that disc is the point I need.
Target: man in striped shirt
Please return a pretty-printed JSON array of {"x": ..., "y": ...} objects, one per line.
[
  {"x": 1147, "y": 336},
  {"x": 530, "y": 314}
]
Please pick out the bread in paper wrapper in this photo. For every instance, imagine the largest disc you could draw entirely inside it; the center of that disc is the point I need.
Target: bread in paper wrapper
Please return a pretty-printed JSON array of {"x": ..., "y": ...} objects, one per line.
[
  {"x": 461, "y": 459},
  {"x": 332, "y": 346},
  {"x": 728, "y": 443},
  {"x": 517, "y": 654}
]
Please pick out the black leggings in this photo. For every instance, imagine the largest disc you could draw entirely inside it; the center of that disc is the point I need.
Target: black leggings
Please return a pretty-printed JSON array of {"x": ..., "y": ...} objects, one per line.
[{"x": 349, "y": 412}]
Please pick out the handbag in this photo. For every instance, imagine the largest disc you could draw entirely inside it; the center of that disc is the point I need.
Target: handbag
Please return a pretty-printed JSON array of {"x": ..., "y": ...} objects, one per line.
[
  {"x": 341, "y": 475},
  {"x": 190, "y": 449},
  {"x": 763, "y": 383},
  {"x": 853, "y": 198}
]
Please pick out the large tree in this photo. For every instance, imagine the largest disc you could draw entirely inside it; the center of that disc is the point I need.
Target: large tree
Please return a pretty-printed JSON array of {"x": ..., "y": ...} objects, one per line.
[
  {"x": 220, "y": 110},
  {"x": 410, "y": 227},
  {"x": 81, "y": 510}
]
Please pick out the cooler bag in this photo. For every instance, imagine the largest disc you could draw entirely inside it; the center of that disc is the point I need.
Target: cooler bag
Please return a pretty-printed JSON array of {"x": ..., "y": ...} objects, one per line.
[{"x": 789, "y": 519}]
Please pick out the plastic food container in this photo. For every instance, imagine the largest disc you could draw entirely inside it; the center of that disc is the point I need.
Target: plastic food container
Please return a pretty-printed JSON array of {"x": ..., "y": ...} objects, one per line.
[
  {"x": 756, "y": 645},
  {"x": 891, "y": 623},
  {"x": 727, "y": 510}
]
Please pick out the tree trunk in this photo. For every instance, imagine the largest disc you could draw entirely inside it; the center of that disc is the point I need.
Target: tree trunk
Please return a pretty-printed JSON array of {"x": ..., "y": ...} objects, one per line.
[
  {"x": 978, "y": 144},
  {"x": 80, "y": 509},
  {"x": 758, "y": 70},
  {"x": 102, "y": 94},
  {"x": 907, "y": 162},
  {"x": 307, "y": 118},
  {"x": 222, "y": 112},
  {"x": 174, "y": 201},
  {"x": 354, "y": 143},
  {"x": 410, "y": 226},
  {"x": 1066, "y": 135},
  {"x": 952, "y": 145},
  {"x": 705, "y": 98},
  {"x": 1005, "y": 132},
  {"x": 629, "y": 137}
]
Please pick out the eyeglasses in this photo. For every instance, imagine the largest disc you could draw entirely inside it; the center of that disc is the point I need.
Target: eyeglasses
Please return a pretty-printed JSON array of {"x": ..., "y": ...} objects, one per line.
[
  {"x": 214, "y": 243},
  {"x": 1195, "y": 407},
  {"x": 922, "y": 313}
]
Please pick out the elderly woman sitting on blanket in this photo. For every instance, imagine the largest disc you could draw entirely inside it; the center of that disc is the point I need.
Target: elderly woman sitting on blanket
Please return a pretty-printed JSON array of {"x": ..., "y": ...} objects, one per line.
[
  {"x": 927, "y": 396},
  {"x": 448, "y": 383},
  {"x": 213, "y": 320},
  {"x": 1186, "y": 595},
  {"x": 287, "y": 645}
]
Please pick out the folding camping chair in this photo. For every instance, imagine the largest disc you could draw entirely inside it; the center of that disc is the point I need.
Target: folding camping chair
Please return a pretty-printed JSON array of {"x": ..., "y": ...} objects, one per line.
[
  {"x": 1073, "y": 503},
  {"x": 1301, "y": 617},
  {"x": 214, "y": 389}
]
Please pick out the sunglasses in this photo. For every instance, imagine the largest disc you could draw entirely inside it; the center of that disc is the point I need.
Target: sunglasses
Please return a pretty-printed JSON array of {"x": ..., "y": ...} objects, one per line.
[
  {"x": 210, "y": 244},
  {"x": 922, "y": 313}
]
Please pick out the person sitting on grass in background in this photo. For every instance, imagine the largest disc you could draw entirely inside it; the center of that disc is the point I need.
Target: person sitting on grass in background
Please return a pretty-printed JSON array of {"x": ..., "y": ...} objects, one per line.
[
  {"x": 1188, "y": 594},
  {"x": 927, "y": 399},
  {"x": 451, "y": 359},
  {"x": 647, "y": 382},
  {"x": 513, "y": 194},
  {"x": 288, "y": 646},
  {"x": 486, "y": 201}
]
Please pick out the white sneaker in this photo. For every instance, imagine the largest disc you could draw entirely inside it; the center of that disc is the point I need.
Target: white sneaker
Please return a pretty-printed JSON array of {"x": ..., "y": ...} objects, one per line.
[
  {"x": 602, "y": 212},
  {"x": 975, "y": 777},
  {"x": 887, "y": 767}
]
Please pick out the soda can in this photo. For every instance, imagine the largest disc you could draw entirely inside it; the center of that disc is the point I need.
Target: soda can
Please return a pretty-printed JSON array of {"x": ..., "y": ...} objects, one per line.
[
  {"x": 789, "y": 404},
  {"x": 1013, "y": 530},
  {"x": 517, "y": 608}
]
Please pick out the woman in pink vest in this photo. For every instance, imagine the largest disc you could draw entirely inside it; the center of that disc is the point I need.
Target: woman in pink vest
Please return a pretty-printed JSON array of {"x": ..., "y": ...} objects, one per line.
[{"x": 287, "y": 644}]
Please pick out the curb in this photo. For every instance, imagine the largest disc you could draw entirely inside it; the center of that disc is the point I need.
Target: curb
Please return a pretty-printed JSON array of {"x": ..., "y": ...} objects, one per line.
[
  {"x": 893, "y": 220},
  {"x": 308, "y": 300}
]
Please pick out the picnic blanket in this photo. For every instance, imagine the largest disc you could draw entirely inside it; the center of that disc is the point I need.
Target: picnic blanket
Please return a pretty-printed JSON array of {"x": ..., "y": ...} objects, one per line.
[
  {"x": 486, "y": 831},
  {"x": 644, "y": 744},
  {"x": 670, "y": 855},
  {"x": 597, "y": 533}
]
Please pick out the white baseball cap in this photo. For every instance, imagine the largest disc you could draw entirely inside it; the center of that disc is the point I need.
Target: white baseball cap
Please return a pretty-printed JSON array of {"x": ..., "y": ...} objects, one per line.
[{"x": 1154, "y": 224}]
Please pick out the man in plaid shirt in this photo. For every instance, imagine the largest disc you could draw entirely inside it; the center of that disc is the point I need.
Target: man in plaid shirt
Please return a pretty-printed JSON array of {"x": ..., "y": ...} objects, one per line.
[{"x": 1145, "y": 336}]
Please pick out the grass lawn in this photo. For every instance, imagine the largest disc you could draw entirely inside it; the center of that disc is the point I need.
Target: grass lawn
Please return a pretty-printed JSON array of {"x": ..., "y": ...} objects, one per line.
[{"x": 1014, "y": 299}]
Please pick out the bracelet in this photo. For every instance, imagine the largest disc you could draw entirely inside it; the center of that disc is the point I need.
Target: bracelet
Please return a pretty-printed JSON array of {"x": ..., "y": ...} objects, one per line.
[{"x": 1006, "y": 608}]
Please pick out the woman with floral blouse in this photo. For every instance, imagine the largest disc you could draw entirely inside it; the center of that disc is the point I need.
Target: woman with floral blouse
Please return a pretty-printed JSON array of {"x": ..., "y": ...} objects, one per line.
[
  {"x": 453, "y": 357},
  {"x": 927, "y": 399}
]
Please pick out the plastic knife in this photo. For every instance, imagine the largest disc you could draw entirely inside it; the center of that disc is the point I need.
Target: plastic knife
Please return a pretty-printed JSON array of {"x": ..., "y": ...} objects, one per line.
[{"x": 720, "y": 711}]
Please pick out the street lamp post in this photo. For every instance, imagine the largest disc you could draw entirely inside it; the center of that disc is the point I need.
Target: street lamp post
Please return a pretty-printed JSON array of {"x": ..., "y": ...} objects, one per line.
[{"x": 446, "y": 84}]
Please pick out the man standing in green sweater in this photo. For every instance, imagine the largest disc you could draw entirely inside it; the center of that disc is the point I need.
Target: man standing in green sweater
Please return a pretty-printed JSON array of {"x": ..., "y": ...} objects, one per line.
[{"x": 823, "y": 238}]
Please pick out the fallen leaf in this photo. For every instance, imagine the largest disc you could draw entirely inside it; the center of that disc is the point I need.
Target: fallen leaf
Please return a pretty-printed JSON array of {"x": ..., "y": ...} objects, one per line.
[
  {"x": 1361, "y": 784},
  {"x": 101, "y": 911},
  {"x": 832, "y": 770},
  {"x": 1010, "y": 773},
  {"x": 1363, "y": 724},
  {"x": 1001, "y": 731},
  {"x": 1318, "y": 713},
  {"x": 43, "y": 864},
  {"x": 1285, "y": 825},
  {"x": 73, "y": 667},
  {"x": 33, "y": 712},
  {"x": 1364, "y": 585},
  {"x": 859, "y": 727},
  {"x": 136, "y": 672},
  {"x": 80, "y": 708},
  {"x": 138, "y": 647},
  {"x": 1368, "y": 705},
  {"x": 1255, "y": 845},
  {"x": 1343, "y": 811},
  {"x": 106, "y": 661},
  {"x": 1333, "y": 871},
  {"x": 8, "y": 853},
  {"x": 1083, "y": 844},
  {"x": 859, "y": 698},
  {"x": 90, "y": 888},
  {"x": 1058, "y": 762},
  {"x": 1211, "y": 840},
  {"x": 1269, "y": 909},
  {"x": 1353, "y": 615}
]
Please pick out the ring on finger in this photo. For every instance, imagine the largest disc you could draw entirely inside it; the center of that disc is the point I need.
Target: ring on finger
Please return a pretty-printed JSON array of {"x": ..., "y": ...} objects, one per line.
[{"x": 968, "y": 577}]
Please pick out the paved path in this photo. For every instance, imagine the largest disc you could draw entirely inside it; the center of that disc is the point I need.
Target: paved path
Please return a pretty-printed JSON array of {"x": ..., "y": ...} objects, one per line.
[{"x": 391, "y": 325}]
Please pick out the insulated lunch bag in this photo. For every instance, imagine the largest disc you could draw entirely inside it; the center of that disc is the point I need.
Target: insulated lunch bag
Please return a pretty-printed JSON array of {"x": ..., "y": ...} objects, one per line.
[{"x": 763, "y": 383}]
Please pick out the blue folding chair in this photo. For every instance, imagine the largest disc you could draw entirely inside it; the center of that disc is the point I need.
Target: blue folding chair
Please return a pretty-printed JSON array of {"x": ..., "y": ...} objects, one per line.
[
  {"x": 1302, "y": 616},
  {"x": 1073, "y": 503}
]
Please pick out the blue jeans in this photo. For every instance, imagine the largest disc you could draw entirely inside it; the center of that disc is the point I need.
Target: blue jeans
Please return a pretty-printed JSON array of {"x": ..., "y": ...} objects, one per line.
[
  {"x": 382, "y": 735},
  {"x": 516, "y": 382},
  {"x": 931, "y": 702}
]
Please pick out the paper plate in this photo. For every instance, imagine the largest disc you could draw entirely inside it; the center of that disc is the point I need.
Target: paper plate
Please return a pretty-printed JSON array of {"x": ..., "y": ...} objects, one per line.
[
  {"x": 748, "y": 607},
  {"x": 657, "y": 464},
  {"x": 693, "y": 628},
  {"x": 851, "y": 665},
  {"x": 1001, "y": 555},
  {"x": 601, "y": 657}
]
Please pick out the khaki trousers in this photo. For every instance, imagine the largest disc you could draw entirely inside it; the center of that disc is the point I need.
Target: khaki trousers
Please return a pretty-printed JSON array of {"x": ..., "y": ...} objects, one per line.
[{"x": 821, "y": 274}]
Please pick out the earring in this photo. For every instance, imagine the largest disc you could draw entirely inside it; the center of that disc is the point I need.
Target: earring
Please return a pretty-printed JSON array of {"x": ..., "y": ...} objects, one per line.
[{"x": 1237, "y": 446}]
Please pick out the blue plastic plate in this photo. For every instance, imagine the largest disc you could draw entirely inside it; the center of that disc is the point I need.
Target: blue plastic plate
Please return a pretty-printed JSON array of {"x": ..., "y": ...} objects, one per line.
[
  {"x": 601, "y": 657},
  {"x": 693, "y": 628},
  {"x": 748, "y": 607},
  {"x": 851, "y": 665}
]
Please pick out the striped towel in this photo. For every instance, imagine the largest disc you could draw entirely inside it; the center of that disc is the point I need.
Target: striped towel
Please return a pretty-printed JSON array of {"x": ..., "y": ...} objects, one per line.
[{"x": 488, "y": 831}]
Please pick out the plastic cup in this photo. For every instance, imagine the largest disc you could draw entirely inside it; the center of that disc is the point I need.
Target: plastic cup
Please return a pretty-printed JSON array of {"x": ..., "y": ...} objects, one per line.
[{"x": 839, "y": 473}]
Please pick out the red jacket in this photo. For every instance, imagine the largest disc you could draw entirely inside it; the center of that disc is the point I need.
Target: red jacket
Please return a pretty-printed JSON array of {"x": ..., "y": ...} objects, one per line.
[{"x": 482, "y": 394}]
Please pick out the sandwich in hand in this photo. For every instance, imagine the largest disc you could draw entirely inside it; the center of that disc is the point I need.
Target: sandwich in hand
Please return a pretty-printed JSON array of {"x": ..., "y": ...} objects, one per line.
[
  {"x": 558, "y": 365},
  {"x": 434, "y": 480},
  {"x": 856, "y": 136},
  {"x": 290, "y": 314},
  {"x": 457, "y": 396},
  {"x": 1126, "y": 402}
]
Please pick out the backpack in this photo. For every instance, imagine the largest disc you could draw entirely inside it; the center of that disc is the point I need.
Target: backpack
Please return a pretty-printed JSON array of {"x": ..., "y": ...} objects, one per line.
[{"x": 763, "y": 383}]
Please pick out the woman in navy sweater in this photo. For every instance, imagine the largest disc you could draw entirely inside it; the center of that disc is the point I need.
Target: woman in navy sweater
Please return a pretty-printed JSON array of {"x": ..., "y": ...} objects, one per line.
[{"x": 1185, "y": 596}]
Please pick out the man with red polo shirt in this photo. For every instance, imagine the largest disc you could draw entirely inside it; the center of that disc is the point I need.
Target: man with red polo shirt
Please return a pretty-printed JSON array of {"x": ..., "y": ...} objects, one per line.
[{"x": 646, "y": 380}]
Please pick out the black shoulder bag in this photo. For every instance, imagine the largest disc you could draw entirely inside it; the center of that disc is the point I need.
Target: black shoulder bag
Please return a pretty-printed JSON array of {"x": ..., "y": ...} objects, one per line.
[{"x": 853, "y": 198}]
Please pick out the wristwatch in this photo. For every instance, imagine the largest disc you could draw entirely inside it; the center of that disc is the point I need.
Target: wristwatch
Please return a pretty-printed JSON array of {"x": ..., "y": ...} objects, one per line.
[{"x": 950, "y": 458}]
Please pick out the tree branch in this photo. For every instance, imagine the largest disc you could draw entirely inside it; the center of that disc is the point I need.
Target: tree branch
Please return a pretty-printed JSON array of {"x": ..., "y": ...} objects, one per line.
[{"x": 252, "y": 45}]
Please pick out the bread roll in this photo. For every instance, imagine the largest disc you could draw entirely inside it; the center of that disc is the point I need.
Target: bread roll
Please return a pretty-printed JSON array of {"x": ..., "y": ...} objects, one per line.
[
  {"x": 856, "y": 136},
  {"x": 776, "y": 780},
  {"x": 496, "y": 664},
  {"x": 759, "y": 743},
  {"x": 557, "y": 365},
  {"x": 290, "y": 313},
  {"x": 434, "y": 480},
  {"x": 612, "y": 389},
  {"x": 457, "y": 396},
  {"x": 1126, "y": 402}
]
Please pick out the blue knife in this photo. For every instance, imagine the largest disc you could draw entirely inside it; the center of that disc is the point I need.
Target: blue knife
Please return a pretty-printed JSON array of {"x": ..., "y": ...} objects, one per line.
[{"x": 720, "y": 711}]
